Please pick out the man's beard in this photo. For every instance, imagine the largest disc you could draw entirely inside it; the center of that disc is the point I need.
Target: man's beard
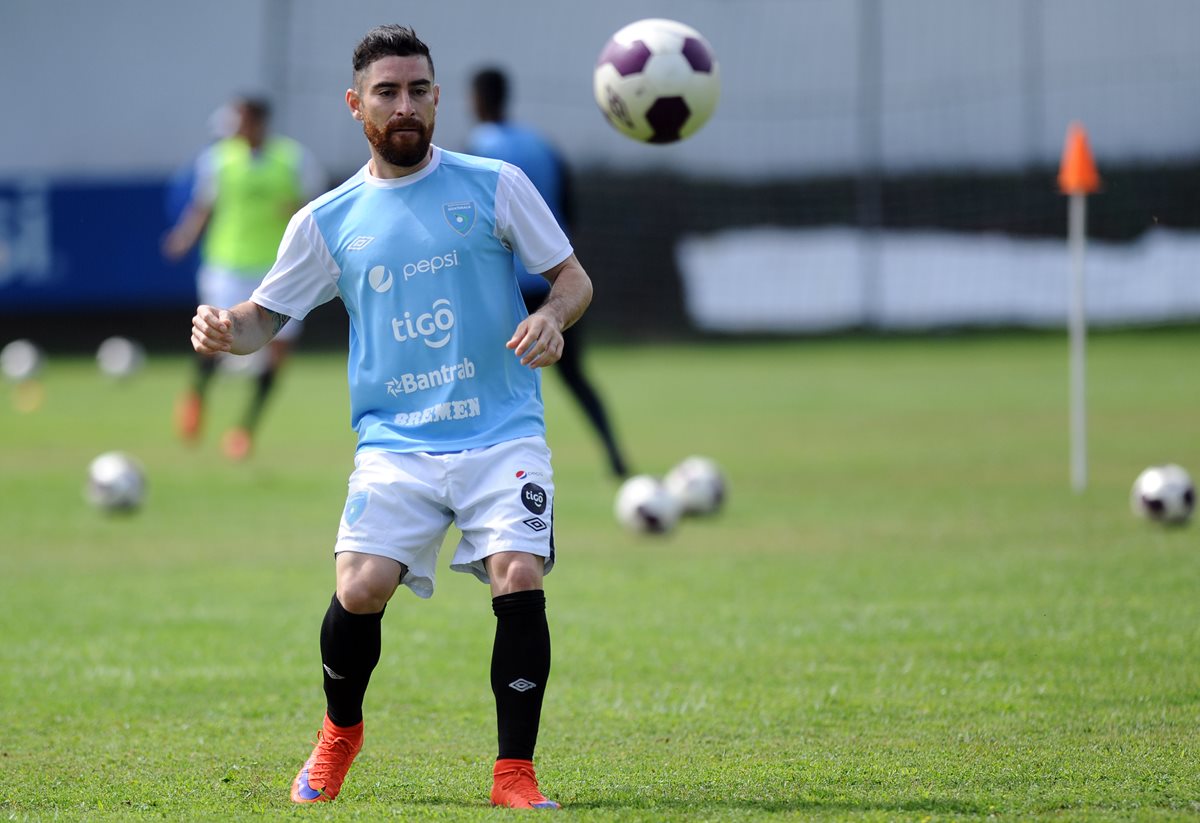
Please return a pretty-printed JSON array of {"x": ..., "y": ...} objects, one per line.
[{"x": 405, "y": 151}]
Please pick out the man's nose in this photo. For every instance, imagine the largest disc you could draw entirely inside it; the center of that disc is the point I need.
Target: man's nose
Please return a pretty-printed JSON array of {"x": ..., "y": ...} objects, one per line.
[{"x": 404, "y": 104}]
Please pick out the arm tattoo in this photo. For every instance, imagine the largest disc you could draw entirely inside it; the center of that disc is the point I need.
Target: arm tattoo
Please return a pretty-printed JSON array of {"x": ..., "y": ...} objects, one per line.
[{"x": 277, "y": 320}]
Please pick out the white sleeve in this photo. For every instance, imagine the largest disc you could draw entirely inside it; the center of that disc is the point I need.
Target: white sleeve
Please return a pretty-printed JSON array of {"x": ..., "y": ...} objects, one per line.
[
  {"x": 304, "y": 276},
  {"x": 526, "y": 225},
  {"x": 204, "y": 190}
]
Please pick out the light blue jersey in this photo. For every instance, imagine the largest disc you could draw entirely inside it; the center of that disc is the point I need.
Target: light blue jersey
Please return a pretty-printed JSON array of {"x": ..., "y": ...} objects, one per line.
[{"x": 424, "y": 266}]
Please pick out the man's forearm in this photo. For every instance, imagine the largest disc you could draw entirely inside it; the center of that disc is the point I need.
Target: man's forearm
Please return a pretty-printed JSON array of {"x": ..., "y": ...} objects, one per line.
[
  {"x": 570, "y": 294},
  {"x": 253, "y": 326}
]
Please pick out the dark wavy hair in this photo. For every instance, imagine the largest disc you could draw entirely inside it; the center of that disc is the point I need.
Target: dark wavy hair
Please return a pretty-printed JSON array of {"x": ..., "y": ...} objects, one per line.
[{"x": 388, "y": 41}]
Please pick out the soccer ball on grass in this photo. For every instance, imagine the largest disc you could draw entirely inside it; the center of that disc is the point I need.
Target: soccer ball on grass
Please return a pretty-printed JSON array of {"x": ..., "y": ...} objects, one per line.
[
  {"x": 1165, "y": 494},
  {"x": 115, "y": 483},
  {"x": 698, "y": 484},
  {"x": 21, "y": 360},
  {"x": 120, "y": 357},
  {"x": 644, "y": 505},
  {"x": 657, "y": 81}
]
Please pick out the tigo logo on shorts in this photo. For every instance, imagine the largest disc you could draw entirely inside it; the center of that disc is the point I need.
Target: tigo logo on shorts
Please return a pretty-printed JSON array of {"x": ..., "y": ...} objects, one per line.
[{"x": 533, "y": 497}]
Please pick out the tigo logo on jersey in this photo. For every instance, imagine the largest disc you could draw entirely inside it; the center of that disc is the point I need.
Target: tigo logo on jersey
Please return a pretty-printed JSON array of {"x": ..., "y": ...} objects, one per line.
[
  {"x": 432, "y": 327},
  {"x": 460, "y": 216},
  {"x": 380, "y": 278}
]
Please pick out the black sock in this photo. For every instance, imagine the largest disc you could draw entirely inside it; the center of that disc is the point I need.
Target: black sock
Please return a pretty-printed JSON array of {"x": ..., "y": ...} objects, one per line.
[
  {"x": 206, "y": 367},
  {"x": 262, "y": 390},
  {"x": 350, "y": 645},
  {"x": 520, "y": 668}
]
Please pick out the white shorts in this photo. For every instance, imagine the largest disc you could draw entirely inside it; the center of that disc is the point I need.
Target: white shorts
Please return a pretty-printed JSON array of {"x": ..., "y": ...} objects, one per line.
[
  {"x": 225, "y": 288},
  {"x": 401, "y": 505}
]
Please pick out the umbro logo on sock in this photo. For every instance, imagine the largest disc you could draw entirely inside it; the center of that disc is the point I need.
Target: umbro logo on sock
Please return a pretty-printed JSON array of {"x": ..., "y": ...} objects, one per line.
[
  {"x": 332, "y": 674},
  {"x": 522, "y": 685}
]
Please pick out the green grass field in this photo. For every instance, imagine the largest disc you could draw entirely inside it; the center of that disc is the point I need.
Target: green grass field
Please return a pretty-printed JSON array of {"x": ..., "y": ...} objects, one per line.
[{"x": 902, "y": 614}]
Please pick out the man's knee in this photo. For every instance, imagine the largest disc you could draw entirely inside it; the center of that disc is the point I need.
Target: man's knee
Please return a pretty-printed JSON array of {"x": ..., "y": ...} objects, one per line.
[
  {"x": 366, "y": 583},
  {"x": 515, "y": 572}
]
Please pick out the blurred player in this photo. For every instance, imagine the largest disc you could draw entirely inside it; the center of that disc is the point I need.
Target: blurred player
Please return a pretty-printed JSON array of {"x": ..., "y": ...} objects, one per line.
[
  {"x": 496, "y": 136},
  {"x": 246, "y": 188},
  {"x": 445, "y": 395}
]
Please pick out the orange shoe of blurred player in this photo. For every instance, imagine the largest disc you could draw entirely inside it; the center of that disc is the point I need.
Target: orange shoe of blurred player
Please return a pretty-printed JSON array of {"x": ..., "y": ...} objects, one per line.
[
  {"x": 515, "y": 786},
  {"x": 321, "y": 777},
  {"x": 237, "y": 443},
  {"x": 189, "y": 412}
]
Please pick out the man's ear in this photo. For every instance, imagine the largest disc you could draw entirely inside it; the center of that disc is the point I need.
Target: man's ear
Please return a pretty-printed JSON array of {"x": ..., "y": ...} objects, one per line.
[{"x": 355, "y": 104}]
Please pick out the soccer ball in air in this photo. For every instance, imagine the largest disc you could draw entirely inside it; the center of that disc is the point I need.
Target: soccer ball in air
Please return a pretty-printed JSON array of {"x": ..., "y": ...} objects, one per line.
[
  {"x": 115, "y": 483},
  {"x": 120, "y": 357},
  {"x": 698, "y": 484},
  {"x": 644, "y": 505},
  {"x": 1164, "y": 493},
  {"x": 657, "y": 81}
]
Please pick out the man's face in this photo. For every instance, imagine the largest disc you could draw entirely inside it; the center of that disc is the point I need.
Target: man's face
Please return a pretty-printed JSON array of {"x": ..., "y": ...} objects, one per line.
[
  {"x": 250, "y": 125},
  {"x": 396, "y": 100}
]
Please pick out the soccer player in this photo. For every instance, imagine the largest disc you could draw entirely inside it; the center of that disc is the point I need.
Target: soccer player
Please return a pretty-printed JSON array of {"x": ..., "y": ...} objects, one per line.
[
  {"x": 445, "y": 395},
  {"x": 246, "y": 187},
  {"x": 497, "y": 136}
]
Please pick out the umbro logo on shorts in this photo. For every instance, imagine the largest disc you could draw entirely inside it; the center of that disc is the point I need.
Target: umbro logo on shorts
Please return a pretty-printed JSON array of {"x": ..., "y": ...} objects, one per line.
[{"x": 536, "y": 523}]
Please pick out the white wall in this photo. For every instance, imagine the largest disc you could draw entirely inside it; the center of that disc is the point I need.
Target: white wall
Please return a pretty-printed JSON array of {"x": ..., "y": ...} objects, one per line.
[
  {"x": 123, "y": 87},
  {"x": 814, "y": 280}
]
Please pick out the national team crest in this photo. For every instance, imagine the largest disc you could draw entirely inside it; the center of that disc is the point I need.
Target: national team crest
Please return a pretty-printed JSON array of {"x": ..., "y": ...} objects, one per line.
[{"x": 460, "y": 216}]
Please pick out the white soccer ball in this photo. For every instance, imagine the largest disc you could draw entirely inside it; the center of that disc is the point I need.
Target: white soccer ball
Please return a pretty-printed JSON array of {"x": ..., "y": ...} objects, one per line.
[
  {"x": 120, "y": 357},
  {"x": 1164, "y": 493},
  {"x": 657, "y": 81},
  {"x": 21, "y": 360},
  {"x": 115, "y": 483},
  {"x": 698, "y": 484},
  {"x": 644, "y": 505}
]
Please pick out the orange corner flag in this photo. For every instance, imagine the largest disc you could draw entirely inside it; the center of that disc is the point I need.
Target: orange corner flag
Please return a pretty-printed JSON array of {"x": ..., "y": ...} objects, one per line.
[{"x": 1077, "y": 173}]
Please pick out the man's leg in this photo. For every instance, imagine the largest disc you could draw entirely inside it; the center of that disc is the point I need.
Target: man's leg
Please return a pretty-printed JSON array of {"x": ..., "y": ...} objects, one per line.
[
  {"x": 238, "y": 442},
  {"x": 189, "y": 409},
  {"x": 570, "y": 368},
  {"x": 520, "y": 669},
  {"x": 350, "y": 648}
]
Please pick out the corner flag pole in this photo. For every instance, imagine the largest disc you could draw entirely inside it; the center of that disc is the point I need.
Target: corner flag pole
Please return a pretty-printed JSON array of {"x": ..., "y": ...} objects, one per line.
[{"x": 1077, "y": 178}]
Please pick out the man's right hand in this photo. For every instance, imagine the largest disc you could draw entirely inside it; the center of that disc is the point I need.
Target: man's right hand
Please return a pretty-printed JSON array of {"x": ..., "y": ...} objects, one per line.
[{"x": 212, "y": 330}]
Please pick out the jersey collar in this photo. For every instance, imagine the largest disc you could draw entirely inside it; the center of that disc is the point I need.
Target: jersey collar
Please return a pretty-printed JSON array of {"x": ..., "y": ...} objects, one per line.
[{"x": 400, "y": 182}]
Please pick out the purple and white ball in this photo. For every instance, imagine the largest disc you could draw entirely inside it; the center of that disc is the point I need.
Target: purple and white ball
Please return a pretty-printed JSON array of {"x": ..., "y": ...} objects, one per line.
[
  {"x": 645, "y": 506},
  {"x": 116, "y": 482},
  {"x": 657, "y": 81},
  {"x": 698, "y": 484},
  {"x": 1164, "y": 494}
]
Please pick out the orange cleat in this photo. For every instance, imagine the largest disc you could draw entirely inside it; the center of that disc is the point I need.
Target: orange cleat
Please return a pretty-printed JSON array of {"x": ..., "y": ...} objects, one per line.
[
  {"x": 188, "y": 415},
  {"x": 515, "y": 786},
  {"x": 236, "y": 444},
  {"x": 320, "y": 778}
]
